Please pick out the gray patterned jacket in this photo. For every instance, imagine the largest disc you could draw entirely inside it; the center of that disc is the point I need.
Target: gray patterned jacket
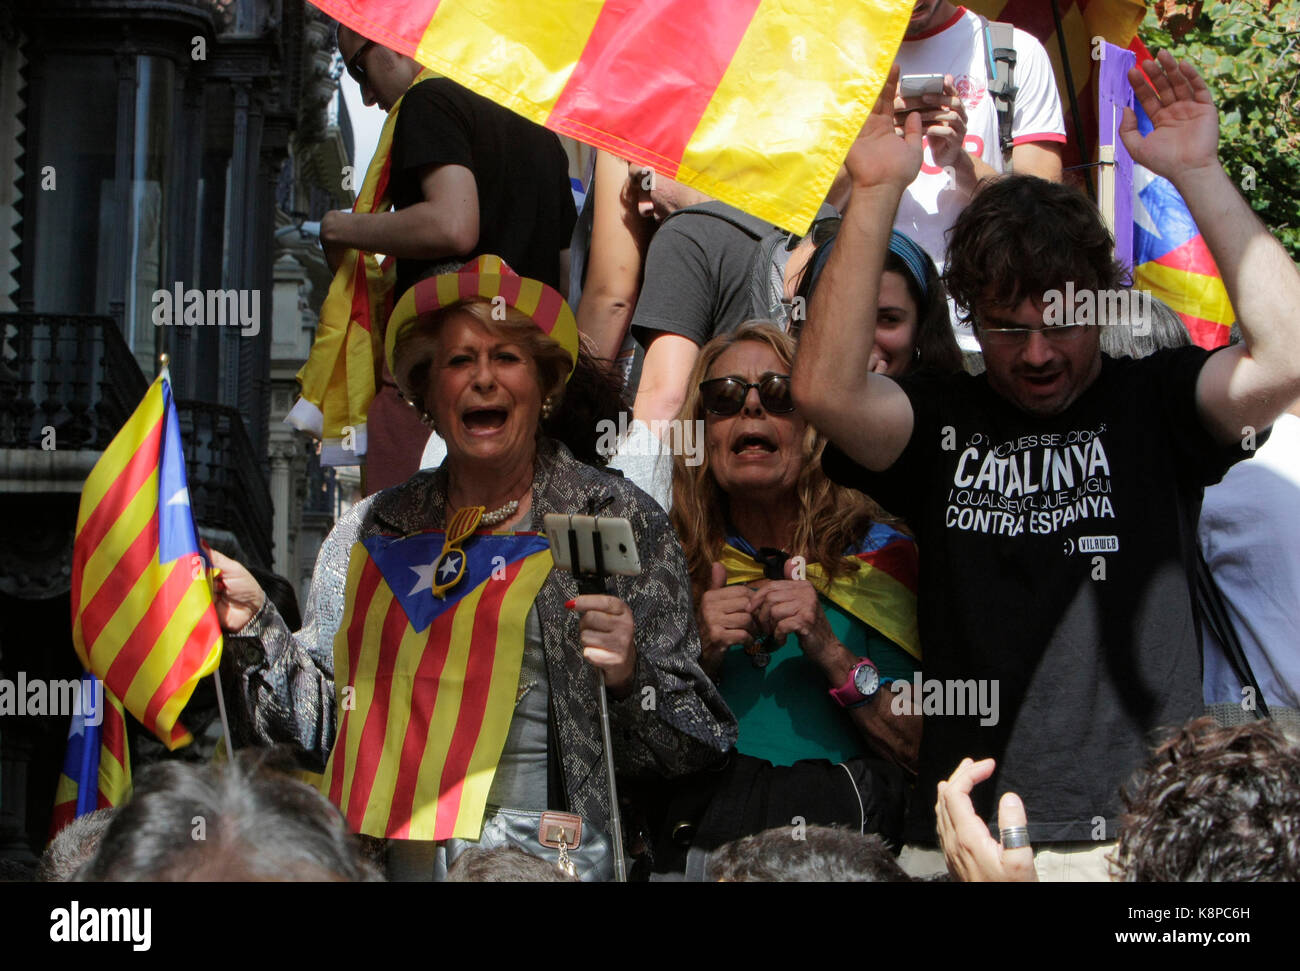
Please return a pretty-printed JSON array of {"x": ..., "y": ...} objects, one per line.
[{"x": 284, "y": 683}]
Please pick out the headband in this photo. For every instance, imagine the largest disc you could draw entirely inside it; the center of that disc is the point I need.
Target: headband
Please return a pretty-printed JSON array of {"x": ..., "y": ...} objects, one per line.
[{"x": 904, "y": 247}]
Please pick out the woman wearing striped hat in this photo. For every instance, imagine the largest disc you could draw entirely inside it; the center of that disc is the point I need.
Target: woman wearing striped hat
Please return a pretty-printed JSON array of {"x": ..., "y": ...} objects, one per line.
[{"x": 442, "y": 668}]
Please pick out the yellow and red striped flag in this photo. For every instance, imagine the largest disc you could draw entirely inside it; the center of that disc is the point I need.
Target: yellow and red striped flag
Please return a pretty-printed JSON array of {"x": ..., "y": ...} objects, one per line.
[
  {"x": 754, "y": 102},
  {"x": 97, "y": 764},
  {"x": 427, "y": 683},
  {"x": 142, "y": 614}
]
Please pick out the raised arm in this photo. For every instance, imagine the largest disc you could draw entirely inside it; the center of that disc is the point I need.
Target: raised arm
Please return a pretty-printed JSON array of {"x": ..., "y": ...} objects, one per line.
[
  {"x": 619, "y": 237},
  {"x": 867, "y": 415},
  {"x": 1246, "y": 386}
]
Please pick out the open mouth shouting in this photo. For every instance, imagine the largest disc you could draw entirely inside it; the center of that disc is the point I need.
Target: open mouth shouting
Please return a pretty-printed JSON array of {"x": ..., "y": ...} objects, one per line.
[
  {"x": 753, "y": 443},
  {"x": 484, "y": 420}
]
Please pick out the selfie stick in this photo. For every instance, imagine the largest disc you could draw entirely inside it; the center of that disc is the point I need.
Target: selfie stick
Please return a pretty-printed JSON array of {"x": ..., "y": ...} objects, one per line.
[{"x": 591, "y": 583}]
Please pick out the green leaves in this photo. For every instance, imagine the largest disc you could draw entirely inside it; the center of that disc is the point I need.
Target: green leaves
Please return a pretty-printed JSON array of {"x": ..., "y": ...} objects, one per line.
[{"x": 1250, "y": 58}]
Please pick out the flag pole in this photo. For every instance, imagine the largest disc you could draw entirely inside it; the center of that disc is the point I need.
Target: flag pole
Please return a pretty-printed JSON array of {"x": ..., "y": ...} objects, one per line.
[
  {"x": 221, "y": 710},
  {"x": 163, "y": 360}
]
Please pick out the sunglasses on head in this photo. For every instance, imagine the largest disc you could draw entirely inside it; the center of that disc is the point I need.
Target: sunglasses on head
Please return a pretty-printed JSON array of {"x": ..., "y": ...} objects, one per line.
[
  {"x": 353, "y": 63},
  {"x": 726, "y": 396}
]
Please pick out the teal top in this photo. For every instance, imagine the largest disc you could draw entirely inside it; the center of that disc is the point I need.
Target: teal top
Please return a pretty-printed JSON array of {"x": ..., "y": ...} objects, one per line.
[{"x": 785, "y": 710}]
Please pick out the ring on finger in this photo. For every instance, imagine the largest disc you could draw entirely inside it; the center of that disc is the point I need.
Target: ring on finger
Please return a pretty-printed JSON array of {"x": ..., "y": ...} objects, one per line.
[{"x": 1014, "y": 837}]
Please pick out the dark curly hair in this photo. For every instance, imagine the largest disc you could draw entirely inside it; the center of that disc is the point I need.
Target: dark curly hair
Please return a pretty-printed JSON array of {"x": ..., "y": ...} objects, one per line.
[
  {"x": 1022, "y": 236},
  {"x": 1215, "y": 803}
]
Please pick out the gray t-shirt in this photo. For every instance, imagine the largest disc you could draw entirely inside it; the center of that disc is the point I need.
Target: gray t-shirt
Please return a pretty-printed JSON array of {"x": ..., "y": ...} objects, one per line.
[{"x": 697, "y": 275}]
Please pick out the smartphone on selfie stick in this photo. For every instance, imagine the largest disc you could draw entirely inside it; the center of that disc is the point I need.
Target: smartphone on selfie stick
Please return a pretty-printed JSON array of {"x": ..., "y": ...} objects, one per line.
[{"x": 594, "y": 548}]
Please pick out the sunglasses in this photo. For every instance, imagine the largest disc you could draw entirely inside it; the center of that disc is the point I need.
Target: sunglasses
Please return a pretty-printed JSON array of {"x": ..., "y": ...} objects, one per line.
[
  {"x": 353, "y": 63},
  {"x": 726, "y": 396}
]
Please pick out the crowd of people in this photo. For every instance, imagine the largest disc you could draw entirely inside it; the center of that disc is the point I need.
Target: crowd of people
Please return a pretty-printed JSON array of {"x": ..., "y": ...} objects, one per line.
[{"x": 918, "y": 607}]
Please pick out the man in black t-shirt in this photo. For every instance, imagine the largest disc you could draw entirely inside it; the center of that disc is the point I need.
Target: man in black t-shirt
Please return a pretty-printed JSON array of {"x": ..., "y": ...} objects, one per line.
[
  {"x": 1055, "y": 497},
  {"x": 467, "y": 177}
]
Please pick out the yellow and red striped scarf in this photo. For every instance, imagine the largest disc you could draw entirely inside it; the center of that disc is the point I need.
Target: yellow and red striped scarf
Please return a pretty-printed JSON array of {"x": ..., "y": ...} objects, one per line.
[
  {"x": 881, "y": 593},
  {"x": 338, "y": 380}
]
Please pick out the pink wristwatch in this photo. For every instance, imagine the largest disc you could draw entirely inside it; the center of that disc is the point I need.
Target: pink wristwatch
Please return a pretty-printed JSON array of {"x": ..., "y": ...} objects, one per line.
[{"x": 863, "y": 683}]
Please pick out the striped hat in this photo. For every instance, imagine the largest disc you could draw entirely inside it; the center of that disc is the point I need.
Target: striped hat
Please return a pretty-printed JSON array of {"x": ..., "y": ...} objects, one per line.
[{"x": 487, "y": 277}]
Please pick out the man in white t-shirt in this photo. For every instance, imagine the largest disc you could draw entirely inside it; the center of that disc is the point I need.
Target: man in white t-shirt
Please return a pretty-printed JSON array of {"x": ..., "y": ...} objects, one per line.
[{"x": 961, "y": 145}]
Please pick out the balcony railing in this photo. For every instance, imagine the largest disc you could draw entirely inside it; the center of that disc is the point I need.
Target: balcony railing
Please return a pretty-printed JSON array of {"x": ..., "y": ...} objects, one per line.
[
  {"x": 227, "y": 490},
  {"x": 73, "y": 374}
]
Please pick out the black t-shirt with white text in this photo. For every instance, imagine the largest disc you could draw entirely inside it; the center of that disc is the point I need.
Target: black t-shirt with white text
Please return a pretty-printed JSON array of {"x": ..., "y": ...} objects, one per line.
[
  {"x": 526, "y": 210},
  {"x": 1056, "y": 617}
]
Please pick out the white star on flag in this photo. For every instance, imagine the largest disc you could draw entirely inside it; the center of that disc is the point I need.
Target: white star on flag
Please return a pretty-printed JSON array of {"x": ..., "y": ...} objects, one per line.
[
  {"x": 181, "y": 497},
  {"x": 425, "y": 574},
  {"x": 1143, "y": 177},
  {"x": 449, "y": 568}
]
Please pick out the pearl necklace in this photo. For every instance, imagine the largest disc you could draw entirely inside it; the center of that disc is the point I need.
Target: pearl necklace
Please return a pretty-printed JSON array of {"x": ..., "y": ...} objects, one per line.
[{"x": 499, "y": 515}]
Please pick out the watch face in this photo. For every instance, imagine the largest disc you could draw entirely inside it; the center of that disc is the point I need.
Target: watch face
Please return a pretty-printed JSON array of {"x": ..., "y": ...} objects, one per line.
[{"x": 866, "y": 679}]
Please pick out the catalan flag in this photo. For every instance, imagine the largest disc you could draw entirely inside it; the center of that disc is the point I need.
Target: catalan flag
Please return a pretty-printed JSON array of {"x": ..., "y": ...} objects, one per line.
[
  {"x": 754, "y": 102},
  {"x": 1082, "y": 22},
  {"x": 881, "y": 593},
  {"x": 142, "y": 614},
  {"x": 1170, "y": 258},
  {"x": 427, "y": 683},
  {"x": 97, "y": 767}
]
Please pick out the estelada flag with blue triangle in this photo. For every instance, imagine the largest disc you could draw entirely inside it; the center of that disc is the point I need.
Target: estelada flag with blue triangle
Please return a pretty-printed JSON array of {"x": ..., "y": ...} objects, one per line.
[
  {"x": 143, "y": 619},
  {"x": 97, "y": 764},
  {"x": 1170, "y": 258},
  {"x": 426, "y": 666}
]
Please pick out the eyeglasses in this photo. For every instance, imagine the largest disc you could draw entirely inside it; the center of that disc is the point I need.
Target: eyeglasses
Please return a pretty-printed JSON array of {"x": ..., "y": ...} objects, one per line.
[
  {"x": 726, "y": 396},
  {"x": 1057, "y": 333},
  {"x": 353, "y": 63}
]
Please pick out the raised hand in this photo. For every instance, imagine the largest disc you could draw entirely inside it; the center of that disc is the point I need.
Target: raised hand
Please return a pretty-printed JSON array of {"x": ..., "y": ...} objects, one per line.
[
  {"x": 883, "y": 154},
  {"x": 972, "y": 854},
  {"x": 237, "y": 596},
  {"x": 1185, "y": 123}
]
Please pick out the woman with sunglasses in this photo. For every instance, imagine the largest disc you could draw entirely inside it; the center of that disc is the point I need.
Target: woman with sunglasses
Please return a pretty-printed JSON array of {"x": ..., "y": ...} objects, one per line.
[{"x": 806, "y": 609}]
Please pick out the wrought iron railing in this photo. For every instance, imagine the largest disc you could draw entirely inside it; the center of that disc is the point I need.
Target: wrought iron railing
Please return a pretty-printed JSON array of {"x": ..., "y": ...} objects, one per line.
[
  {"x": 227, "y": 489},
  {"x": 67, "y": 381}
]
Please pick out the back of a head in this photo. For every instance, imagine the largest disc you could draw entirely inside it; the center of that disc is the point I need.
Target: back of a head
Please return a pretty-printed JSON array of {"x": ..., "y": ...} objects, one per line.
[
  {"x": 244, "y": 821},
  {"x": 1215, "y": 804},
  {"x": 504, "y": 864},
  {"x": 1022, "y": 237},
  {"x": 807, "y": 854},
  {"x": 72, "y": 846},
  {"x": 1144, "y": 325}
]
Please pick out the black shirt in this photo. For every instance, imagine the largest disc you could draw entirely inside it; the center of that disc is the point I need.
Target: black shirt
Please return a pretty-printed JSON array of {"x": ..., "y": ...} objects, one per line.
[
  {"x": 1054, "y": 560},
  {"x": 526, "y": 210}
]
